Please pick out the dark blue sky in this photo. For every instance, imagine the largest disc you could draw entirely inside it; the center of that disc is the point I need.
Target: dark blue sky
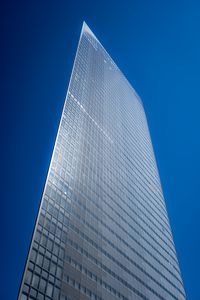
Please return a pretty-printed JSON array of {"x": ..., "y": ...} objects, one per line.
[{"x": 157, "y": 46}]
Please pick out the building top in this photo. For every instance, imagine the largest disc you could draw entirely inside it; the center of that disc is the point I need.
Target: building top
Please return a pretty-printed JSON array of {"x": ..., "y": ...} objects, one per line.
[{"x": 86, "y": 29}]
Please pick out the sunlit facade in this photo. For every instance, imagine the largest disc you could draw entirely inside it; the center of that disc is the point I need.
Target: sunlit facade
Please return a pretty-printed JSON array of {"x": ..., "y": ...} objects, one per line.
[{"x": 102, "y": 230}]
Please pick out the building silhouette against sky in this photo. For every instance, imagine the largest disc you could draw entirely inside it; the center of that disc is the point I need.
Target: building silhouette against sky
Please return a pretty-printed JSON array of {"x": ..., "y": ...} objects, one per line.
[{"x": 102, "y": 230}]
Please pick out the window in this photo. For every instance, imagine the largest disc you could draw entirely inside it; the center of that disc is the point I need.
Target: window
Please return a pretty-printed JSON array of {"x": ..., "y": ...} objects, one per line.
[
  {"x": 24, "y": 297},
  {"x": 28, "y": 277},
  {"x": 42, "y": 285},
  {"x": 49, "y": 289},
  {"x": 35, "y": 281}
]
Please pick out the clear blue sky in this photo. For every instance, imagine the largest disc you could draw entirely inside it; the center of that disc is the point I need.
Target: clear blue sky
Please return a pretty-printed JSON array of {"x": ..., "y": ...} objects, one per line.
[{"x": 157, "y": 46}]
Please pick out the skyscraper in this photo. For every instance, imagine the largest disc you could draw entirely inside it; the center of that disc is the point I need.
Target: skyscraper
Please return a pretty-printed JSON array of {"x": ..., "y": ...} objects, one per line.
[{"x": 102, "y": 230}]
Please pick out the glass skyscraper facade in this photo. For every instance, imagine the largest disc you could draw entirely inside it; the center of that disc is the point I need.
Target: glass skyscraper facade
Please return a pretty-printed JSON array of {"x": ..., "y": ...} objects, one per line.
[{"x": 102, "y": 230}]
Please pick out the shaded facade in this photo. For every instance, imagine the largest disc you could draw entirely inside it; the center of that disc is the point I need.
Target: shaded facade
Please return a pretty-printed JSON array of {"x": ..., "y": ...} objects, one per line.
[{"x": 102, "y": 230}]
